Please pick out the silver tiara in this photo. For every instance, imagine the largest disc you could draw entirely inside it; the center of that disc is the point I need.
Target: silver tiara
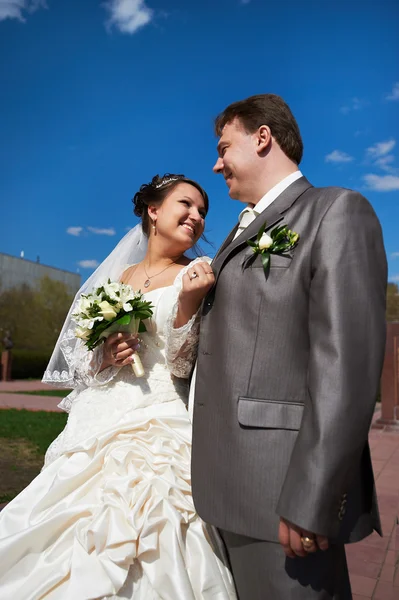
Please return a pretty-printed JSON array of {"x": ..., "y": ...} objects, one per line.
[{"x": 167, "y": 180}]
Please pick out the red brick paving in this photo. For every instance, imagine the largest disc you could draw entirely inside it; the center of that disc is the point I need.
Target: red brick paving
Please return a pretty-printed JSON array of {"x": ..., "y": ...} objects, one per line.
[
  {"x": 373, "y": 563},
  {"x": 29, "y": 402},
  {"x": 48, "y": 403},
  {"x": 24, "y": 385}
]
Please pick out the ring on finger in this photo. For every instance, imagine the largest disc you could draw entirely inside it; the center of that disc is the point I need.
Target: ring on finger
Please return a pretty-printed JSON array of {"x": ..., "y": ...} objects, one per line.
[
  {"x": 307, "y": 542},
  {"x": 193, "y": 275}
]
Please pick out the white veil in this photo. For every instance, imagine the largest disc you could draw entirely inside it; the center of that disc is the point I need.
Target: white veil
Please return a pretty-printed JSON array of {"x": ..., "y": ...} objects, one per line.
[{"x": 130, "y": 250}]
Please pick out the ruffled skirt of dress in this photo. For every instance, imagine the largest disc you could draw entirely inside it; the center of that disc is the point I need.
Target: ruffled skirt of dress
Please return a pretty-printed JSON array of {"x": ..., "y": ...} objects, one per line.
[{"x": 112, "y": 517}]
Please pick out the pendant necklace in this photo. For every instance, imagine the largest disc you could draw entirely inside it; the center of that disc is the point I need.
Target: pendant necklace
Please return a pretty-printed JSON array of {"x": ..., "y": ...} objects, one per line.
[{"x": 147, "y": 282}]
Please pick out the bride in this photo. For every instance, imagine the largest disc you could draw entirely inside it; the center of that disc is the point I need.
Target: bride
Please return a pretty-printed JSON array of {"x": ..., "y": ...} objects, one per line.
[{"x": 111, "y": 514}]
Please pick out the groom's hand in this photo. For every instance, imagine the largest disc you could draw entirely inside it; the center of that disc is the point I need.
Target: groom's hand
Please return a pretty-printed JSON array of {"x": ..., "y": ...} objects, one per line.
[{"x": 290, "y": 535}]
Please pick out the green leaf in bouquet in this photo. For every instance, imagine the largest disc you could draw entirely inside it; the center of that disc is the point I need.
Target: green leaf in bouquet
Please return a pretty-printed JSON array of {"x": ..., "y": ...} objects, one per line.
[
  {"x": 124, "y": 320},
  {"x": 97, "y": 330},
  {"x": 142, "y": 327}
]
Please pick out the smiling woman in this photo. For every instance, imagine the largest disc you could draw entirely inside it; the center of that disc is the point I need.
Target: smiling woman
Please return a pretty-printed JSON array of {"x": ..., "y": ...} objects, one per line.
[
  {"x": 155, "y": 192},
  {"x": 121, "y": 466}
]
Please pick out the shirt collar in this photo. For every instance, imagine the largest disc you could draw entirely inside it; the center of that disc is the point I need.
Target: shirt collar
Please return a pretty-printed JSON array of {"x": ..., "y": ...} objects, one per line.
[{"x": 272, "y": 194}]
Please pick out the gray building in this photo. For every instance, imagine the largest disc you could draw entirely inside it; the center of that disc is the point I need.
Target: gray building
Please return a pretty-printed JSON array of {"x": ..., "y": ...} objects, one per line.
[{"x": 15, "y": 271}]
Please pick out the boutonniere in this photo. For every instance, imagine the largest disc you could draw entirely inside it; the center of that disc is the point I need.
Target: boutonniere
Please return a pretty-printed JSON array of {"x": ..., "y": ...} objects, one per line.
[{"x": 280, "y": 241}]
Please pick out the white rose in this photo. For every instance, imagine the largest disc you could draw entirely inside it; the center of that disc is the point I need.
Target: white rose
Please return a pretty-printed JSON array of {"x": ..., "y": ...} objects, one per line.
[
  {"x": 107, "y": 310},
  {"x": 265, "y": 242},
  {"x": 82, "y": 333}
]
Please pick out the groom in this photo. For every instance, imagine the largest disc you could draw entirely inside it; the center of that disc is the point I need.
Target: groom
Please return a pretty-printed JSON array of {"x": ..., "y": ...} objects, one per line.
[{"x": 288, "y": 369}]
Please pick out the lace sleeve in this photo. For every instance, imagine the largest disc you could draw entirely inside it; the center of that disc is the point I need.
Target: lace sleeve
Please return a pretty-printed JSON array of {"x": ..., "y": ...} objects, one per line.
[
  {"x": 181, "y": 343},
  {"x": 88, "y": 364},
  {"x": 83, "y": 369}
]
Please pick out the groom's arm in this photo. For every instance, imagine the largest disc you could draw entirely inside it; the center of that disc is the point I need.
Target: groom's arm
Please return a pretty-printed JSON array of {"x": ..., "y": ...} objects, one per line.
[{"x": 347, "y": 344}]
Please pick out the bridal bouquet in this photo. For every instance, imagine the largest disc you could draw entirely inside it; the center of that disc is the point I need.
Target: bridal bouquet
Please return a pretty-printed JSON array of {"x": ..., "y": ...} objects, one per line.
[{"x": 112, "y": 307}]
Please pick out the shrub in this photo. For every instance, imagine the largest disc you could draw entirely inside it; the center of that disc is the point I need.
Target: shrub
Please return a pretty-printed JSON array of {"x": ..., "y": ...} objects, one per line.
[{"x": 29, "y": 364}]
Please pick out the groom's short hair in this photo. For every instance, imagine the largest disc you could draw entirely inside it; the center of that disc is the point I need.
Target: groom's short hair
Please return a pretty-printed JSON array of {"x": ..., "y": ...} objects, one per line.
[{"x": 266, "y": 109}]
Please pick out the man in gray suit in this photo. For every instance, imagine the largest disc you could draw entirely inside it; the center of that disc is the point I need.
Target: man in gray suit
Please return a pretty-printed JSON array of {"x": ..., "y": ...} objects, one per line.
[{"x": 288, "y": 370}]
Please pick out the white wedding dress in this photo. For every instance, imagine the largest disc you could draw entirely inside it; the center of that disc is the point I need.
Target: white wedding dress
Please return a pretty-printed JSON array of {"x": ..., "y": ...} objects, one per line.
[{"x": 111, "y": 514}]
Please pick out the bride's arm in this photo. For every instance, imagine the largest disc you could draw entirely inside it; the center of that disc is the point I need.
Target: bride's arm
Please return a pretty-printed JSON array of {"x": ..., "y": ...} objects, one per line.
[
  {"x": 182, "y": 327},
  {"x": 91, "y": 367}
]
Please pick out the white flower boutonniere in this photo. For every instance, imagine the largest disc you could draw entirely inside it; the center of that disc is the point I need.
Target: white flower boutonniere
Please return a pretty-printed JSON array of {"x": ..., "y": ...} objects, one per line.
[{"x": 280, "y": 241}]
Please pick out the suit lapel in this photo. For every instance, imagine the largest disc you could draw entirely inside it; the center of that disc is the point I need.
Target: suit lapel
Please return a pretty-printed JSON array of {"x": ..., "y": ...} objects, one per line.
[
  {"x": 226, "y": 242},
  {"x": 271, "y": 215}
]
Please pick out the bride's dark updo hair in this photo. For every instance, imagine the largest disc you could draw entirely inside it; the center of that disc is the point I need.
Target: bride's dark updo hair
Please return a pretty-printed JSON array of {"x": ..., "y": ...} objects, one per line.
[{"x": 155, "y": 192}]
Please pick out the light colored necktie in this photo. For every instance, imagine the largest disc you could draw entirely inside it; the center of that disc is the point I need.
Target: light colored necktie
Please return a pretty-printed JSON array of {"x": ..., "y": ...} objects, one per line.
[{"x": 245, "y": 218}]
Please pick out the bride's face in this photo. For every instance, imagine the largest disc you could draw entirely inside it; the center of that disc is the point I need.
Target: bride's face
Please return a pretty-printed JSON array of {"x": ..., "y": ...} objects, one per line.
[{"x": 181, "y": 216}]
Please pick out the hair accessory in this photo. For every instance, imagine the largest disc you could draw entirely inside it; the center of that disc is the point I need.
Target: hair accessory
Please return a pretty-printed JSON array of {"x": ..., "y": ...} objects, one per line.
[{"x": 167, "y": 180}]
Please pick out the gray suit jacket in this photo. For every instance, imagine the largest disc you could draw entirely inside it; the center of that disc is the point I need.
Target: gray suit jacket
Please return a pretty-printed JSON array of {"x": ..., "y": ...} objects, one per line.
[{"x": 288, "y": 372}]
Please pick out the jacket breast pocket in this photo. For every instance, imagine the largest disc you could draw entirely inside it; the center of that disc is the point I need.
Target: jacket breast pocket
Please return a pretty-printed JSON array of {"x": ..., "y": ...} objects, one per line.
[
  {"x": 269, "y": 414},
  {"x": 277, "y": 261}
]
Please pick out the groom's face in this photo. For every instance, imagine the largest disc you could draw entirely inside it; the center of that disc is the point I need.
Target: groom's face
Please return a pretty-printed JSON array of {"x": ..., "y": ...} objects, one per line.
[{"x": 237, "y": 160}]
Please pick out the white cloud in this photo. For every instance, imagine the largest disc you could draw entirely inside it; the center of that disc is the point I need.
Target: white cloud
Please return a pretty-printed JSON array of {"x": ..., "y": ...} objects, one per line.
[
  {"x": 384, "y": 163},
  {"x": 382, "y": 183},
  {"x": 336, "y": 156},
  {"x": 97, "y": 231},
  {"x": 74, "y": 231},
  {"x": 88, "y": 264},
  {"x": 395, "y": 255},
  {"x": 394, "y": 95},
  {"x": 381, "y": 149},
  {"x": 354, "y": 104},
  {"x": 393, "y": 279},
  {"x": 128, "y": 15},
  {"x": 13, "y": 9}
]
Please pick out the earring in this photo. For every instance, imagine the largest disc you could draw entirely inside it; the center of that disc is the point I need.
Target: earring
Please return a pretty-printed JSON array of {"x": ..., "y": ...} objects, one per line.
[{"x": 154, "y": 228}]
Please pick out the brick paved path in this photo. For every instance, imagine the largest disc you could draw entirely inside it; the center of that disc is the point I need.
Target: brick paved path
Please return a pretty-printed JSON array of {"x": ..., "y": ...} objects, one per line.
[
  {"x": 373, "y": 563},
  {"x": 27, "y": 401}
]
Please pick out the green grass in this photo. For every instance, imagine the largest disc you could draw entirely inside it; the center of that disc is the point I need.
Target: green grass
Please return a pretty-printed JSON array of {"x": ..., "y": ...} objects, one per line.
[
  {"x": 59, "y": 393},
  {"x": 39, "y": 427}
]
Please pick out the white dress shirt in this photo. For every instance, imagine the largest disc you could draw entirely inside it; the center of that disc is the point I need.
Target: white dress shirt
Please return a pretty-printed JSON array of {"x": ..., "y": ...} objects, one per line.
[{"x": 246, "y": 217}]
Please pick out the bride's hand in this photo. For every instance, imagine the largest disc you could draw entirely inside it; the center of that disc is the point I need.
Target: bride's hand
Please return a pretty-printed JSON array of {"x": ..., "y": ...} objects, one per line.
[
  {"x": 197, "y": 282},
  {"x": 118, "y": 350}
]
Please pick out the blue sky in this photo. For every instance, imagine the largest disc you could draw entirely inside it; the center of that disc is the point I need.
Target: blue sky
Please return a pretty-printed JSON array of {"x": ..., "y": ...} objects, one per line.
[{"x": 97, "y": 97}]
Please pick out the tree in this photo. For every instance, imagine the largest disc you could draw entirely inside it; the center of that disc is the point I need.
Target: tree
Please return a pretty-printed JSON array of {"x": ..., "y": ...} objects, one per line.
[{"x": 35, "y": 316}]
